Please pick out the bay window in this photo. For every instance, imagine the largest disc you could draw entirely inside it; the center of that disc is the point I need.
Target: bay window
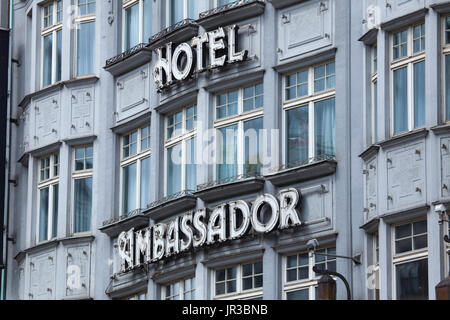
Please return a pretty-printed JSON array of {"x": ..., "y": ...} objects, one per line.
[
  {"x": 179, "y": 290},
  {"x": 179, "y": 10},
  {"x": 137, "y": 23},
  {"x": 309, "y": 113},
  {"x": 180, "y": 146},
  {"x": 85, "y": 38},
  {"x": 51, "y": 33},
  {"x": 135, "y": 170},
  {"x": 446, "y": 52},
  {"x": 299, "y": 279},
  {"x": 82, "y": 188},
  {"x": 410, "y": 261},
  {"x": 239, "y": 282},
  {"x": 48, "y": 192},
  {"x": 408, "y": 79},
  {"x": 239, "y": 121}
]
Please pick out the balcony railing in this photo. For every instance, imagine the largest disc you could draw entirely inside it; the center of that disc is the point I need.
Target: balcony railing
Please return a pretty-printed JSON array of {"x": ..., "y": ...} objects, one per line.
[
  {"x": 303, "y": 163},
  {"x": 227, "y": 7},
  {"x": 174, "y": 196},
  {"x": 130, "y": 214},
  {"x": 223, "y": 181},
  {"x": 170, "y": 29},
  {"x": 125, "y": 54}
]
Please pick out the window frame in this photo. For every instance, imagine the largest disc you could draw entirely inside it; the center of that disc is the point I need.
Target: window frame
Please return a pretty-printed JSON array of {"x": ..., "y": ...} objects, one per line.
[
  {"x": 79, "y": 20},
  {"x": 310, "y": 101},
  {"x": 49, "y": 183},
  {"x": 406, "y": 257},
  {"x": 52, "y": 29},
  {"x": 374, "y": 94},
  {"x": 240, "y": 294},
  {"x": 125, "y": 6},
  {"x": 239, "y": 119},
  {"x": 445, "y": 53},
  {"x": 138, "y": 158},
  {"x": 412, "y": 58},
  {"x": 181, "y": 292},
  {"x": 183, "y": 138}
]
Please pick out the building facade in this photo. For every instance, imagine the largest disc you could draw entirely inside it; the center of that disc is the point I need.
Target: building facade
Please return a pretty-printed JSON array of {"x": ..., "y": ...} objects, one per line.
[{"x": 222, "y": 149}]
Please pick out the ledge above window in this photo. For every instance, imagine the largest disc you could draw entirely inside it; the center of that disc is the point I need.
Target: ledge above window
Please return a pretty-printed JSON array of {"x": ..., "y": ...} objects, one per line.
[
  {"x": 170, "y": 205},
  {"x": 309, "y": 169},
  {"x": 230, "y": 13},
  {"x": 229, "y": 187},
  {"x": 134, "y": 219},
  {"x": 177, "y": 33},
  {"x": 129, "y": 60}
]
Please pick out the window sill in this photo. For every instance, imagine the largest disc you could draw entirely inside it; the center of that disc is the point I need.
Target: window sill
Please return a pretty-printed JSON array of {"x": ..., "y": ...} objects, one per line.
[
  {"x": 404, "y": 138},
  {"x": 171, "y": 205},
  {"x": 230, "y": 13},
  {"x": 226, "y": 188},
  {"x": 179, "y": 32},
  {"x": 441, "y": 129},
  {"x": 405, "y": 214},
  {"x": 299, "y": 172},
  {"x": 114, "y": 227},
  {"x": 404, "y": 21},
  {"x": 128, "y": 60},
  {"x": 370, "y": 152}
]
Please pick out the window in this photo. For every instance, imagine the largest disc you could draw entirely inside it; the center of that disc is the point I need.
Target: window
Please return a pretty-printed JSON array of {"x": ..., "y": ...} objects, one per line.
[
  {"x": 180, "y": 290},
  {"x": 85, "y": 37},
  {"x": 82, "y": 188},
  {"x": 239, "y": 121},
  {"x": 51, "y": 33},
  {"x": 446, "y": 52},
  {"x": 447, "y": 249},
  {"x": 299, "y": 279},
  {"x": 408, "y": 79},
  {"x": 138, "y": 296},
  {"x": 241, "y": 282},
  {"x": 180, "y": 145},
  {"x": 411, "y": 261},
  {"x": 374, "y": 96},
  {"x": 135, "y": 166},
  {"x": 48, "y": 191},
  {"x": 137, "y": 24},
  {"x": 309, "y": 113},
  {"x": 181, "y": 9},
  {"x": 375, "y": 240}
]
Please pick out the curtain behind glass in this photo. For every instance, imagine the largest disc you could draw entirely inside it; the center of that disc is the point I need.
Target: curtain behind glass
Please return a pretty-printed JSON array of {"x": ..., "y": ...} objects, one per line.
[
  {"x": 147, "y": 20},
  {"x": 129, "y": 188},
  {"x": 252, "y": 133},
  {"x": 82, "y": 205},
  {"x": 400, "y": 100},
  {"x": 175, "y": 11},
  {"x": 85, "y": 43},
  {"x": 324, "y": 127},
  {"x": 192, "y": 9},
  {"x": 447, "y": 86},
  {"x": 47, "y": 67},
  {"x": 297, "y": 134},
  {"x": 58, "y": 54},
  {"x": 145, "y": 182},
  {"x": 43, "y": 214},
  {"x": 191, "y": 166},
  {"x": 227, "y": 152},
  {"x": 419, "y": 94},
  {"x": 132, "y": 26},
  {"x": 55, "y": 211},
  {"x": 174, "y": 169}
]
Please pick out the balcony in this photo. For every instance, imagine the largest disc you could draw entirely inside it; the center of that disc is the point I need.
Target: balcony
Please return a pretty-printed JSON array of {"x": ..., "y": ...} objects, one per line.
[
  {"x": 177, "y": 33},
  {"x": 134, "y": 58},
  {"x": 170, "y": 205},
  {"x": 133, "y": 219},
  {"x": 231, "y": 13}
]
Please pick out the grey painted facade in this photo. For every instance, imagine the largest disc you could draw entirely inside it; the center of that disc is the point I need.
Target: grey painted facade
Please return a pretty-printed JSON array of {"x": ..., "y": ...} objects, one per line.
[{"x": 370, "y": 186}]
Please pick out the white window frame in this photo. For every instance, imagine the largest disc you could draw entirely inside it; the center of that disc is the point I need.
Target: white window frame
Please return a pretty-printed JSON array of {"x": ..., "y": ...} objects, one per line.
[
  {"x": 128, "y": 4},
  {"x": 80, "y": 19},
  {"x": 49, "y": 183},
  {"x": 141, "y": 154},
  {"x": 405, "y": 257},
  {"x": 52, "y": 30},
  {"x": 375, "y": 242},
  {"x": 309, "y": 100},
  {"x": 311, "y": 283},
  {"x": 79, "y": 175},
  {"x": 408, "y": 61},
  {"x": 374, "y": 99},
  {"x": 238, "y": 119},
  {"x": 445, "y": 52},
  {"x": 240, "y": 294},
  {"x": 185, "y": 12},
  {"x": 184, "y": 136},
  {"x": 181, "y": 288}
]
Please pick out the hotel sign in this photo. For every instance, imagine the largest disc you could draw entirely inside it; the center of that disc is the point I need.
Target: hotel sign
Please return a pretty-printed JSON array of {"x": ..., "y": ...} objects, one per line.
[
  {"x": 229, "y": 221},
  {"x": 210, "y": 50}
]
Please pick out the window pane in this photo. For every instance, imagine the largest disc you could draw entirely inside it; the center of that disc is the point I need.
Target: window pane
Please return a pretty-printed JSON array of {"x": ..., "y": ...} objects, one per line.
[
  {"x": 447, "y": 85},
  {"x": 403, "y": 245},
  {"x": 227, "y": 152},
  {"x": 82, "y": 205},
  {"x": 298, "y": 295},
  {"x": 47, "y": 65},
  {"x": 400, "y": 100},
  {"x": 220, "y": 275},
  {"x": 220, "y": 288},
  {"x": 252, "y": 146},
  {"x": 147, "y": 20},
  {"x": 297, "y": 144},
  {"x": 231, "y": 286},
  {"x": 403, "y": 231},
  {"x": 291, "y": 275},
  {"x": 175, "y": 11},
  {"x": 43, "y": 214},
  {"x": 145, "y": 182},
  {"x": 247, "y": 283},
  {"x": 129, "y": 188},
  {"x": 131, "y": 26},
  {"x": 324, "y": 127},
  {"x": 191, "y": 167},
  {"x": 55, "y": 210},
  {"x": 85, "y": 49},
  {"x": 419, "y": 94},
  {"x": 412, "y": 280},
  {"x": 58, "y": 54},
  {"x": 420, "y": 227},
  {"x": 174, "y": 169}
]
